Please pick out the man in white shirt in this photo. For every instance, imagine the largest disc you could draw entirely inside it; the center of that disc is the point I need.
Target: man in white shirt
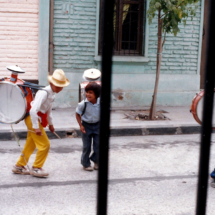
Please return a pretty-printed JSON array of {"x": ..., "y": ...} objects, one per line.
[{"x": 40, "y": 116}]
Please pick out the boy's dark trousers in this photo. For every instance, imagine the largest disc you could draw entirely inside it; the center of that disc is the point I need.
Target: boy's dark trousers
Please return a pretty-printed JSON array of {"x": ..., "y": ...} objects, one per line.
[{"x": 92, "y": 132}]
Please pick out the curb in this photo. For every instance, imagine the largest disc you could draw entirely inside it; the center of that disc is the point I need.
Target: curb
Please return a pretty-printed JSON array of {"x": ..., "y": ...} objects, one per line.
[{"x": 115, "y": 132}]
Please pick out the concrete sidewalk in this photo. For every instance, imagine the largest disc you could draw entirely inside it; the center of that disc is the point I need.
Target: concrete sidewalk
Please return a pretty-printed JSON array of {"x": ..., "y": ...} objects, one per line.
[{"x": 181, "y": 122}]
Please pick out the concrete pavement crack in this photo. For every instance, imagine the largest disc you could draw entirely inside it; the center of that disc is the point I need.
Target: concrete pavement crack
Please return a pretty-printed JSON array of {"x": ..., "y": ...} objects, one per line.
[{"x": 111, "y": 181}]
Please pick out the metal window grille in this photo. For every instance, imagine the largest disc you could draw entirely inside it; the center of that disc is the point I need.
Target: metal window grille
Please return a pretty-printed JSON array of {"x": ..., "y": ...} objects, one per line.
[
  {"x": 207, "y": 114},
  {"x": 128, "y": 27},
  {"x": 105, "y": 114}
]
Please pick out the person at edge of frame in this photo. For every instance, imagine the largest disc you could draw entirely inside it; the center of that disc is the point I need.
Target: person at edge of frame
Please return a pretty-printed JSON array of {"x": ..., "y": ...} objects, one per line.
[
  {"x": 40, "y": 116},
  {"x": 87, "y": 115},
  {"x": 213, "y": 178}
]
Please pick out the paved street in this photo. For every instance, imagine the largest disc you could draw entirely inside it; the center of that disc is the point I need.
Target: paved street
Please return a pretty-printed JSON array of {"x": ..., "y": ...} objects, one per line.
[{"x": 149, "y": 175}]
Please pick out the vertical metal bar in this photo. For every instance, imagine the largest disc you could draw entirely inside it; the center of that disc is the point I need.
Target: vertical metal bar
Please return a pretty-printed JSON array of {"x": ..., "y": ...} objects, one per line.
[
  {"x": 129, "y": 40},
  {"x": 107, "y": 50},
  {"x": 51, "y": 45},
  {"x": 120, "y": 25},
  {"x": 142, "y": 50},
  {"x": 141, "y": 32},
  {"x": 117, "y": 27},
  {"x": 207, "y": 115}
]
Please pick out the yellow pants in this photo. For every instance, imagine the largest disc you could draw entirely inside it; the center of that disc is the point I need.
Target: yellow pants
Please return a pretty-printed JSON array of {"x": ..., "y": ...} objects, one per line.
[{"x": 41, "y": 142}]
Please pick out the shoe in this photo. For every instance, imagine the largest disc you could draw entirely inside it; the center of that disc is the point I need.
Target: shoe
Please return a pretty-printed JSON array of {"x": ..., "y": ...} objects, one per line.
[
  {"x": 96, "y": 166},
  {"x": 20, "y": 170},
  {"x": 213, "y": 174},
  {"x": 212, "y": 182},
  {"x": 39, "y": 172},
  {"x": 89, "y": 168}
]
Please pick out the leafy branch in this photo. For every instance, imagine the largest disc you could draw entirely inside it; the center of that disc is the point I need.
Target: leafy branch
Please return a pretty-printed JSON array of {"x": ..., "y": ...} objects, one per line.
[
  {"x": 173, "y": 13},
  {"x": 170, "y": 11}
]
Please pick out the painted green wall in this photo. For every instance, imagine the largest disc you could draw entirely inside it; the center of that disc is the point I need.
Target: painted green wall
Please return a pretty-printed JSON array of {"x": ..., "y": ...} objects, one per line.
[
  {"x": 76, "y": 45},
  {"x": 44, "y": 10}
]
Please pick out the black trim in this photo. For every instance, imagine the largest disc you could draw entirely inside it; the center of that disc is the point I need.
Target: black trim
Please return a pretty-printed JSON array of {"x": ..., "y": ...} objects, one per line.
[
  {"x": 85, "y": 105},
  {"x": 34, "y": 81},
  {"x": 24, "y": 88}
]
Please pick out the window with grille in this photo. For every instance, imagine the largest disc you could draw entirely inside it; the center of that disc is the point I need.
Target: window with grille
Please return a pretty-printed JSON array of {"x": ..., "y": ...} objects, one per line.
[{"x": 128, "y": 27}]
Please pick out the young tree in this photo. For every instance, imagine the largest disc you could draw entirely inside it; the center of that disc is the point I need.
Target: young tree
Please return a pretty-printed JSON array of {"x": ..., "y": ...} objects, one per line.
[{"x": 170, "y": 14}]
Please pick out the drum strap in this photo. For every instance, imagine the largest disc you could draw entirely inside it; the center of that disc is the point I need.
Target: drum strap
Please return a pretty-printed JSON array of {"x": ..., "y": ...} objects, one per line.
[
  {"x": 13, "y": 79},
  {"x": 24, "y": 88},
  {"x": 27, "y": 114},
  {"x": 85, "y": 105},
  {"x": 26, "y": 93},
  {"x": 33, "y": 92},
  {"x": 43, "y": 117}
]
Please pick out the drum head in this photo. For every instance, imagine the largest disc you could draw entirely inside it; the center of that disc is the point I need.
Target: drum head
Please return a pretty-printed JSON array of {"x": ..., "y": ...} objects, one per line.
[
  {"x": 199, "y": 110},
  {"x": 13, "y": 104}
]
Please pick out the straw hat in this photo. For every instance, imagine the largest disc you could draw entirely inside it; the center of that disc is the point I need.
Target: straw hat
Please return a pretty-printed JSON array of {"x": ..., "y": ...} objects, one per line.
[
  {"x": 58, "y": 78},
  {"x": 92, "y": 74}
]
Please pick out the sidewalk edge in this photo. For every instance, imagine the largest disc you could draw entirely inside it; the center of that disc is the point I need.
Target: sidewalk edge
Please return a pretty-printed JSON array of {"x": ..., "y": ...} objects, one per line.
[{"x": 116, "y": 132}]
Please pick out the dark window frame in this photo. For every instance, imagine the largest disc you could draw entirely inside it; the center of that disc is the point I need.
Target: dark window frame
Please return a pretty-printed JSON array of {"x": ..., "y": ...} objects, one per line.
[{"x": 141, "y": 24}]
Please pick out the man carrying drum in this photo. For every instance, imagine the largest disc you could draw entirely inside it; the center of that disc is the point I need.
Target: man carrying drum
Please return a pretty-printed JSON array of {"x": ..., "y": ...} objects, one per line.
[{"x": 40, "y": 116}]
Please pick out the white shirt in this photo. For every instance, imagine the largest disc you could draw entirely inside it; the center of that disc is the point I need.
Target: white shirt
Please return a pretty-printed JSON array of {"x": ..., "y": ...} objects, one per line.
[
  {"x": 43, "y": 103},
  {"x": 92, "y": 111}
]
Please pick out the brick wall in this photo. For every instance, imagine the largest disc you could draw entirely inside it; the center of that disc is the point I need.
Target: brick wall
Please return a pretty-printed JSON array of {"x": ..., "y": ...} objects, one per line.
[
  {"x": 74, "y": 40},
  {"x": 74, "y": 34},
  {"x": 19, "y": 36},
  {"x": 74, "y": 51},
  {"x": 180, "y": 54}
]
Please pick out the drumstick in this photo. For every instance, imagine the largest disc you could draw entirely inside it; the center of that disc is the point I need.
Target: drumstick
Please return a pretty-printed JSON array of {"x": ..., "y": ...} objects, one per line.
[
  {"x": 17, "y": 140},
  {"x": 56, "y": 135},
  {"x": 53, "y": 133},
  {"x": 33, "y": 132}
]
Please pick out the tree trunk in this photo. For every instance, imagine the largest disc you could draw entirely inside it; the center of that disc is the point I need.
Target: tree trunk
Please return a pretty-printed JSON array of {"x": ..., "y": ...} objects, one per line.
[{"x": 159, "y": 57}]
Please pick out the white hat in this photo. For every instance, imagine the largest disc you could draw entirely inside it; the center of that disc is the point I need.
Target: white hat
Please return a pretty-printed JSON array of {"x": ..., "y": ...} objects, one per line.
[
  {"x": 15, "y": 68},
  {"x": 58, "y": 78},
  {"x": 92, "y": 74}
]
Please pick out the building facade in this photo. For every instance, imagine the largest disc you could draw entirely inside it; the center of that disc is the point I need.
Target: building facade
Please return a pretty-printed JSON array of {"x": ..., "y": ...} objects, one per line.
[
  {"x": 77, "y": 46},
  {"x": 19, "y": 21}
]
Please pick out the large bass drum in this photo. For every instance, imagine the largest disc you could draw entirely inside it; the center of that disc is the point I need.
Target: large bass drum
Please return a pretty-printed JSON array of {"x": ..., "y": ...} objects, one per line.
[
  {"x": 89, "y": 76},
  {"x": 15, "y": 97},
  {"x": 197, "y": 107}
]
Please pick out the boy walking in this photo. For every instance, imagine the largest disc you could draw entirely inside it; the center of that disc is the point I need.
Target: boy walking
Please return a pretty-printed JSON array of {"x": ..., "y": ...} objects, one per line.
[
  {"x": 87, "y": 115},
  {"x": 40, "y": 116}
]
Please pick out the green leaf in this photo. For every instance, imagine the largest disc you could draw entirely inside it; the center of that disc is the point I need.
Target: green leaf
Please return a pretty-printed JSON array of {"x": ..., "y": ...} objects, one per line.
[
  {"x": 173, "y": 13},
  {"x": 157, "y": 5}
]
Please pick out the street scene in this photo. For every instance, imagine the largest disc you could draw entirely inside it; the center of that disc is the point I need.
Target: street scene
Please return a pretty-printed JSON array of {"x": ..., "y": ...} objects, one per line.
[
  {"x": 148, "y": 175},
  {"x": 103, "y": 98}
]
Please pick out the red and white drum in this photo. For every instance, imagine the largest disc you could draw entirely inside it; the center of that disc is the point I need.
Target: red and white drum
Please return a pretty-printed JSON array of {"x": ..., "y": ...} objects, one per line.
[
  {"x": 15, "y": 97},
  {"x": 89, "y": 76},
  {"x": 197, "y": 107}
]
